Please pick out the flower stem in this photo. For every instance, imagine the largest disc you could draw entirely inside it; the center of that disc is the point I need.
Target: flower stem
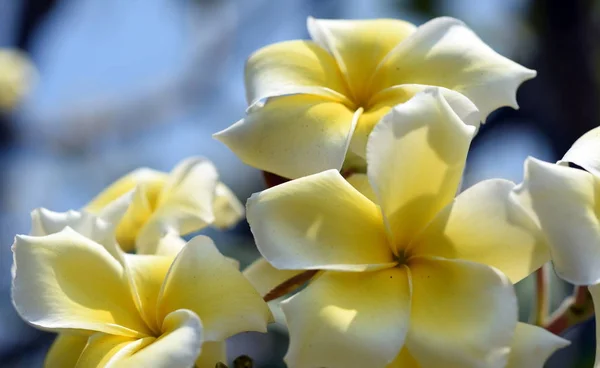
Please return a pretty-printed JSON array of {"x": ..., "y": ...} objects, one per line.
[
  {"x": 575, "y": 309},
  {"x": 542, "y": 305}
]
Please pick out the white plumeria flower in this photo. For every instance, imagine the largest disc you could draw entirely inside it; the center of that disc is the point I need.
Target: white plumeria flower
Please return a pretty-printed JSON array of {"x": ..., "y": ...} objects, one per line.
[{"x": 115, "y": 309}]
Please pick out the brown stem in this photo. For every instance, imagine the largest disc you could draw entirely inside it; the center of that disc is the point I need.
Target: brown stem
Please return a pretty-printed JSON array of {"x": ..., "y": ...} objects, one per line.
[
  {"x": 575, "y": 309},
  {"x": 289, "y": 285}
]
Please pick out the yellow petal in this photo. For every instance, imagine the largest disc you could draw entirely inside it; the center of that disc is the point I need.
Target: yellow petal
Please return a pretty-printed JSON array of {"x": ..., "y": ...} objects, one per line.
[
  {"x": 265, "y": 277},
  {"x": 359, "y": 46},
  {"x": 148, "y": 273},
  {"x": 361, "y": 183},
  {"x": 178, "y": 346},
  {"x": 228, "y": 210},
  {"x": 293, "y": 67},
  {"x": 103, "y": 350},
  {"x": 293, "y": 136},
  {"x": 148, "y": 177},
  {"x": 585, "y": 152},
  {"x": 444, "y": 52},
  {"x": 564, "y": 201},
  {"x": 66, "y": 281},
  {"x": 212, "y": 353},
  {"x": 184, "y": 204},
  {"x": 65, "y": 350},
  {"x": 483, "y": 225},
  {"x": 202, "y": 280},
  {"x": 46, "y": 222},
  {"x": 463, "y": 314},
  {"x": 532, "y": 346},
  {"x": 318, "y": 222},
  {"x": 404, "y": 360},
  {"x": 17, "y": 77},
  {"x": 349, "y": 319},
  {"x": 416, "y": 156},
  {"x": 381, "y": 104}
]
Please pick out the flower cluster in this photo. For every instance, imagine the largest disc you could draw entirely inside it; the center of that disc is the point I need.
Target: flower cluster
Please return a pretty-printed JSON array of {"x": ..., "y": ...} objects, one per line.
[{"x": 385, "y": 261}]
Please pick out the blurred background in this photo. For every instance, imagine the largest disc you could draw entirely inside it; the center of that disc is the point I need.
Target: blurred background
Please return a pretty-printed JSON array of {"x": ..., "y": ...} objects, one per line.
[{"x": 124, "y": 84}]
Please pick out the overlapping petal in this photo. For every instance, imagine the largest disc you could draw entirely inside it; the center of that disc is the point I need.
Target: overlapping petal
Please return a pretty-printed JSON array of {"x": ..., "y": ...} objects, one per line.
[
  {"x": 463, "y": 314},
  {"x": 223, "y": 299},
  {"x": 318, "y": 222},
  {"x": 381, "y": 104},
  {"x": 293, "y": 136},
  {"x": 57, "y": 286},
  {"x": 293, "y": 67},
  {"x": 565, "y": 203},
  {"x": 185, "y": 203},
  {"x": 264, "y": 277},
  {"x": 445, "y": 52},
  {"x": 227, "y": 208},
  {"x": 415, "y": 157},
  {"x": 532, "y": 346},
  {"x": 483, "y": 225},
  {"x": 349, "y": 319},
  {"x": 585, "y": 152},
  {"x": 65, "y": 350},
  {"x": 358, "y": 46}
]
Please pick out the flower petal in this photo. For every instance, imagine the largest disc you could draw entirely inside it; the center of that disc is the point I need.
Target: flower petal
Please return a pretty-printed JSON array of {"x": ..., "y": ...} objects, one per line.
[
  {"x": 415, "y": 157},
  {"x": 564, "y": 201},
  {"x": 185, "y": 203},
  {"x": 585, "y": 152},
  {"x": 227, "y": 208},
  {"x": 203, "y": 280},
  {"x": 318, "y": 222},
  {"x": 65, "y": 350},
  {"x": 384, "y": 101},
  {"x": 532, "y": 346},
  {"x": 66, "y": 281},
  {"x": 178, "y": 346},
  {"x": 404, "y": 360},
  {"x": 264, "y": 277},
  {"x": 463, "y": 314},
  {"x": 293, "y": 136},
  {"x": 361, "y": 183},
  {"x": 359, "y": 46},
  {"x": 445, "y": 52},
  {"x": 148, "y": 273},
  {"x": 46, "y": 222},
  {"x": 293, "y": 67},
  {"x": 483, "y": 225},
  {"x": 349, "y": 319}
]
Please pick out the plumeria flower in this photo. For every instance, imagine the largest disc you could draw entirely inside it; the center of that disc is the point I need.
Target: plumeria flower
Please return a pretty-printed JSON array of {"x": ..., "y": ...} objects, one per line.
[
  {"x": 565, "y": 203},
  {"x": 115, "y": 309},
  {"x": 167, "y": 205},
  {"x": 408, "y": 275},
  {"x": 312, "y": 100},
  {"x": 17, "y": 76}
]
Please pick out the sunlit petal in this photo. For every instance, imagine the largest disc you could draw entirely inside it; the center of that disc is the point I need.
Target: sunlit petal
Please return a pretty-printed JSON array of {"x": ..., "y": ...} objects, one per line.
[
  {"x": 202, "y": 280},
  {"x": 349, "y": 319},
  {"x": 415, "y": 157},
  {"x": 483, "y": 225},
  {"x": 565, "y": 203},
  {"x": 185, "y": 203},
  {"x": 463, "y": 314},
  {"x": 66, "y": 281},
  {"x": 293, "y": 67},
  {"x": 359, "y": 46},
  {"x": 585, "y": 152},
  {"x": 532, "y": 346},
  {"x": 445, "y": 52},
  {"x": 318, "y": 222},
  {"x": 65, "y": 350},
  {"x": 293, "y": 136}
]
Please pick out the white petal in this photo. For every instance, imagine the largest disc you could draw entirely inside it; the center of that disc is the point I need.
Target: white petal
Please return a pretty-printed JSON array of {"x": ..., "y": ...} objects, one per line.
[
  {"x": 532, "y": 346},
  {"x": 415, "y": 157},
  {"x": 585, "y": 152},
  {"x": 565, "y": 203}
]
